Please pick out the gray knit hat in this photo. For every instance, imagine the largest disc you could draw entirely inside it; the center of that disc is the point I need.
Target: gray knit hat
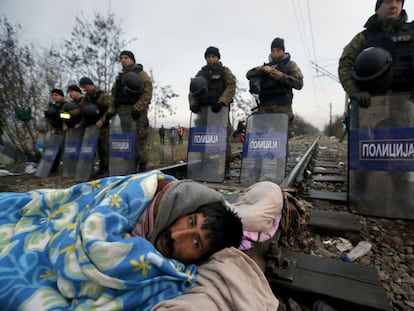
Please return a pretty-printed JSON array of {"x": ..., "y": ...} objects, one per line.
[
  {"x": 182, "y": 198},
  {"x": 379, "y": 2}
]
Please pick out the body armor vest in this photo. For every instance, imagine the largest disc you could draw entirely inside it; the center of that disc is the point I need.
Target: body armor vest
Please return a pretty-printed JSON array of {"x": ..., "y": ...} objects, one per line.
[
  {"x": 216, "y": 84},
  {"x": 401, "y": 47},
  {"x": 274, "y": 92}
]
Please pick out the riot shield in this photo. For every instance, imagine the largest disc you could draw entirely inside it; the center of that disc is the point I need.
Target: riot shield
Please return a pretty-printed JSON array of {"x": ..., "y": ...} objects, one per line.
[
  {"x": 265, "y": 148},
  {"x": 207, "y": 142},
  {"x": 87, "y": 154},
  {"x": 49, "y": 155},
  {"x": 381, "y": 157},
  {"x": 73, "y": 142},
  {"x": 122, "y": 145}
]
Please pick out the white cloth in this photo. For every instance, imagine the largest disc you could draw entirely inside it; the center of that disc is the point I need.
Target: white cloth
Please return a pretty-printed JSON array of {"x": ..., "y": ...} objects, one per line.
[{"x": 230, "y": 280}]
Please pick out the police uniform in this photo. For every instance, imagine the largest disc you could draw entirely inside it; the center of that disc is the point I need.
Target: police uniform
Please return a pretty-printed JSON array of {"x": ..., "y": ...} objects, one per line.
[
  {"x": 55, "y": 125},
  {"x": 221, "y": 89},
  {"x": 102, "y": 101},
  {"x": 275, "y": 96},
  {"x": 137, "y": 105},
  {"x": 72, "y": 109},
  {"x": 396, "y": 36}
]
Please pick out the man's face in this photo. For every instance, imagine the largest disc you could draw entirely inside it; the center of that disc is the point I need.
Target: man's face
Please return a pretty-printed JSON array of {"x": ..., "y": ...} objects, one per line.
[
  {"x": 56, "y": 97},
  {"x": 87, "y": 87},
  {"x": 212, "y": 59},
  {"x": 276, "y": 53},
  {"x": 125, "y": 60},
  {"x": 74, "y": 95},
  {"x": 185, "y": 240},
  {"x": 389, "y": 9}
]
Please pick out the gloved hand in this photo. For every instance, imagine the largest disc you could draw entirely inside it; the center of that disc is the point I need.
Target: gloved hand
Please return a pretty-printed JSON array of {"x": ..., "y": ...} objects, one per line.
[
  {"x": 109, "y": 115},
  {"x": 217, "y": 107},
  {"x": 195, "y": 109},
  {"x": 363, "y": 99},
  {"x": 135, "y": 114}
]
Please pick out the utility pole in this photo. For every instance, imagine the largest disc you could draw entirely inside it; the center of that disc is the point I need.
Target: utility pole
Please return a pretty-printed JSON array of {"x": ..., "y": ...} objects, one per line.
[
  {"x": 330, "y": 119},
  {"x": 333, "y": 77}
]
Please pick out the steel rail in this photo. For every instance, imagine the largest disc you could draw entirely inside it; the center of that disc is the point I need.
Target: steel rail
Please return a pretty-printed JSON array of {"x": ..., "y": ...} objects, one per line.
[{"x": 300, "y": 166}]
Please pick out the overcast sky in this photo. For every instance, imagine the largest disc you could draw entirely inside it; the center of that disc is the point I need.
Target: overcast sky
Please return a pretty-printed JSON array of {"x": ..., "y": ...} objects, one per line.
[{"x": 173, "y": 35}]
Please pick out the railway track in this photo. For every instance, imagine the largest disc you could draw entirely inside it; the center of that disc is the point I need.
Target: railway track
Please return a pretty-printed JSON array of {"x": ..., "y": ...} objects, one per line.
[
  {"x": 316, "y": 168},
  {"x": 321, "y": 180}
]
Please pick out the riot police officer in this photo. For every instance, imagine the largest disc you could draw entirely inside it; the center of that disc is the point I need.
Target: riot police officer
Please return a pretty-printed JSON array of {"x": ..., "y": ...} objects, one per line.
[
  {"x": 71, "y": 110},
  {"x": 54, "y": 121},
  {"x": 93, "y": 109},
  {"x": 132, "y": 93},
  {"x": 214, "y": 85},
  {"x": 384, "y": 47},
  {"x": 274, "y": 81}
]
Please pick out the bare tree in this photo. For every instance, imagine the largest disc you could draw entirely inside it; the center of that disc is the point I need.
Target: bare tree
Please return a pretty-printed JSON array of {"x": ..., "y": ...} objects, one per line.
[
  {"x": 243, "y": 101},
  {"x": 160, "y": 103},
  {"x": 93, "y": 49},
  {"x": 20, "y": 97}
]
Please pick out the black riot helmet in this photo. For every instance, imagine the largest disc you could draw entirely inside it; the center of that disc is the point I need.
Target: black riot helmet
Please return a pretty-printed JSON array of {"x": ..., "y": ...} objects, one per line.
[
  {"x": 52, "y": 114},
  {"x": 372, "y": 69},
  {"x": 132, "y": 82},
  {"x": 90, "y": 113},
  {"x": 69, "y": 106},
  {"x": 68, "y": 114},
  {"x": 198, "y": 86}
]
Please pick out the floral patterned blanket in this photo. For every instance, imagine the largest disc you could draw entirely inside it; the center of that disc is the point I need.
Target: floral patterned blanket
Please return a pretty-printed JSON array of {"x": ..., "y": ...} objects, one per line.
[{"x": 71, "y": 249}]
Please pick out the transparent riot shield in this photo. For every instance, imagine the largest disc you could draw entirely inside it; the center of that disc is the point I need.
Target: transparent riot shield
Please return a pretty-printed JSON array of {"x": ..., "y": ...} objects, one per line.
[
  {"x": 87, "y": 154},
  {"x": 122, "y": 145},
  {"x": 49, "y": 155},
  {"x": 265, "y": 148},
  {"x": 381, "y": 157},
  {"x": 207, "y": 142},
  {"x": 73, "y": 142}
]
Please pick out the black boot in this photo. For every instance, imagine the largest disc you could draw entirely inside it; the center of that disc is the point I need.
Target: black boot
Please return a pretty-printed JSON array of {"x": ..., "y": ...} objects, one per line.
[
  {"x": 227, "y": 172},
  {"x": 142, "y": 167}
]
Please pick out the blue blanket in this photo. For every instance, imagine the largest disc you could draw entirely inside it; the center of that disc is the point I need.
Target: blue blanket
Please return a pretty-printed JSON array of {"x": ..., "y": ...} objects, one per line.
[{"x": 71, "y": 249}]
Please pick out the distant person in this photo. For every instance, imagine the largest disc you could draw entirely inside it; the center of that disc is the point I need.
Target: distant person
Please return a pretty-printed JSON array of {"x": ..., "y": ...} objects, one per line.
[
  {"x": 54, "y": 121},
  {"x": 173, "y": 136},
  {"x": 161, "y": 132},
  {"x": 71, "y": 110},
  {"x": 241, "y": 127},
  {"x": 344, "y": 127},
  {"x": 387, "y": 29},
  {"x": 219, "y": 92},
  {"x": 240, "y": 132},
  {"x": 274, "y": 81},
  {"x": 180, "y": 133},
  {"x": 132, "y": 93},
  {"x": 93, "y": 109}
]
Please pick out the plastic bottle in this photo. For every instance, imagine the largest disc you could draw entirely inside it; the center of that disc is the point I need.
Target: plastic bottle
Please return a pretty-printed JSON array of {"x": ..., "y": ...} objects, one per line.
[{"x": 361, "y": 249}]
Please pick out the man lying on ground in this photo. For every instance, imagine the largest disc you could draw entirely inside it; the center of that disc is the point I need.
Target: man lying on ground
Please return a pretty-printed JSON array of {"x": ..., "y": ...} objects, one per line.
[{"x": 119, "y": 243}]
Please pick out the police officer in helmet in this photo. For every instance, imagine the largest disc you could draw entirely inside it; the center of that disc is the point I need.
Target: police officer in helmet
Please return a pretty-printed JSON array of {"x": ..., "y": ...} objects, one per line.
[
  {"x": 94, "y": 110},
  {"x": 132, "y": 93},
  {"x": 364, "y": 63},
  {"x": 54, "y": 121},
  {"x": 214, "y": 86}
]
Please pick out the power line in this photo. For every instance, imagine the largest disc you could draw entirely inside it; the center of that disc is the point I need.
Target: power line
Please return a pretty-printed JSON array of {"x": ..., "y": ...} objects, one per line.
[{"x": 324, "y": 72}]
